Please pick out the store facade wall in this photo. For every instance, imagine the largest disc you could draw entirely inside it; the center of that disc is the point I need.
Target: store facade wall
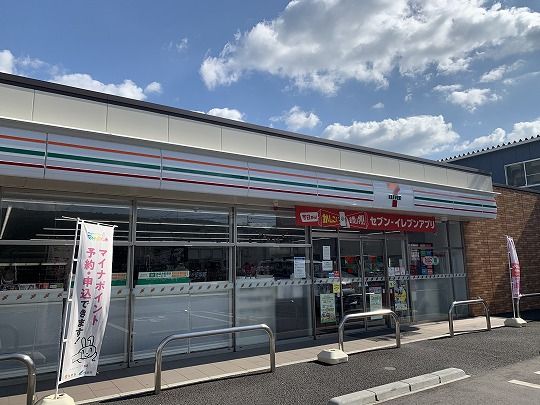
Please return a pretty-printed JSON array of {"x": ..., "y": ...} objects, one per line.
[
  {"x": 208, "y": 229},
  {"x": 486, "y": 253},
  {"x": 193, "y": 265}
]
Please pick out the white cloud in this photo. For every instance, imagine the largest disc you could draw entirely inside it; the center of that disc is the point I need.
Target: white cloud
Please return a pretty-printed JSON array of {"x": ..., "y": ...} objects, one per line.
[
  {"x": 493, "y": 75},
  {"x": 520, "y": 130},
  {"x": 498, "y": 73},
  {"x": 296, "y": 119},
  {"x": 424, "y": 135},
  {"x": 320, "y": 44},
  {"x": 153, "y": 87},
  {"x": 469, "y": 99},
  {"x": 26, "y": 62},
  {"x": 24, "y": 66},
  {"x": 496, "y": 137},
  {"x": 447, "y": 88},
  {"x": 229, "y": 113},
  {"x": 518, "y": 79},
  {"x": 378, "y": 106},
  {"x": 32, "y": 67},
  {"x": 180, "y": 45},
  {"x": 420, "y": 135},
  {"x": 7, "y": 61},
  {"x": 127, "y": 88}
]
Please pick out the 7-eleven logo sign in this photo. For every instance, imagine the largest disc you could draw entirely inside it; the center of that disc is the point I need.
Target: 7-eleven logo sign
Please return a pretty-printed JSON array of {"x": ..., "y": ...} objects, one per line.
[{"x": 394, "y": 196}]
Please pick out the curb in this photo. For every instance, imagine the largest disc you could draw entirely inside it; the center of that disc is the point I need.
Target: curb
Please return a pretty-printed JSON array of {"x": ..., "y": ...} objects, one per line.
[{"x": 401, "y": 388}]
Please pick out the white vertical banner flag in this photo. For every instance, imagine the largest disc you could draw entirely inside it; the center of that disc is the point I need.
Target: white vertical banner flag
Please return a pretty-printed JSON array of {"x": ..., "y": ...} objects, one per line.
[
  {"x": 515, "y": 270},
  {"x": 90, "y": 306}
]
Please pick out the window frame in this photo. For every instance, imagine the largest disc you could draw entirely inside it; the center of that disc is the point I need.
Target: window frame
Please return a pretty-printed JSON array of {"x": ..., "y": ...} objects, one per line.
[{"x": 523, "y": 163}]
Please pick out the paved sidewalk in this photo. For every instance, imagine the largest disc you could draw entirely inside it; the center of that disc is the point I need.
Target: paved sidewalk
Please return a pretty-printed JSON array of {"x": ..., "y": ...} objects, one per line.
[{"x": 119, "y": 383}]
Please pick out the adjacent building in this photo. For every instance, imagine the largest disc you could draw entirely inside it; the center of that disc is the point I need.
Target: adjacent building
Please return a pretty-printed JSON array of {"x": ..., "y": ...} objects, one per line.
[
  {"x": 515, "y": 164},
  {"x": 515, "y": 169}
]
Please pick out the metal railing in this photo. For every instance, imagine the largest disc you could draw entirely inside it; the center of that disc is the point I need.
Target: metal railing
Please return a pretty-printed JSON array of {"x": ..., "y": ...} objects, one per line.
[
  {"x": 467, "y": 302},
  {"x": 31, "y": 367},
  {"x": 519, "y": 299},
  {"x": 380, "y": 312},
  {"x": 168, "y": 339}
]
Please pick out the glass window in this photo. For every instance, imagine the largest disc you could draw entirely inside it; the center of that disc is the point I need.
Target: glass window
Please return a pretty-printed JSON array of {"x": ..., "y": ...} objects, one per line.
[
  {"x": 31, "y": 328},
  {"x": 119, "y": 265},
  {"x": 374, "y": 258},
  {"x": 325, "y": 257},
  {"x": 272, "y": 262},
  {"x": 454, "y": 229},
  {"x": 269, "y": 227},
  {"x": 460, "y": 294},
  {"x": 431, "y": 298},
  {"x": 350, "y": 258},
  {"x": 43, "y": 267},
  {"x": 457, "y": 261},
  {"x": 533, "y": 172},
  {"x": 426, "y": 260},
  {"x": 438, "y": 238},
  {"x": 285, "y": 308},
  {"x": 24, "y": 218},
  {"x": 183, "y": 224},
  {"x": 180, "y": 264},
  {"x": 34, "y": 267},
  {"x": 515, "y": 175}
]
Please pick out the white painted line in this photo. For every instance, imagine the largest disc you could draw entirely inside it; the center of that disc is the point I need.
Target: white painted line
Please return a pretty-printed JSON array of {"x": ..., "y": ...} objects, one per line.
[
  {"x": 525, "y": 384},
  {"x": 537, "y": 372}
]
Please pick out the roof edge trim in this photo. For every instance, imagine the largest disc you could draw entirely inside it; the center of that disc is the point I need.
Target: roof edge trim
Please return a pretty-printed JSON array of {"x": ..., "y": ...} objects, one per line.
[{"x": 40, "y": 85}]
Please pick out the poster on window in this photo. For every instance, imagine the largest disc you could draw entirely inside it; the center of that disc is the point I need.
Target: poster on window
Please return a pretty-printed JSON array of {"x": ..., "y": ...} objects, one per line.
[
  {"x": 400, "y": 297},
  {"x": 422, "y": 259},
  {"x": 326, "y": 252},
  {"x": 327, "y": 266},
  {"x": 90, "y": 305},
  {"x": 328, "y": 308},
  {"x": 299, "y": 267},
  {"x": 375, "y": 300}
]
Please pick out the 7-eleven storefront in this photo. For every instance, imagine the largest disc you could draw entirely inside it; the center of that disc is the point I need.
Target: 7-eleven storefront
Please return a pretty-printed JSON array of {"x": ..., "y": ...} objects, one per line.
[{"x": 219, "y": 223}]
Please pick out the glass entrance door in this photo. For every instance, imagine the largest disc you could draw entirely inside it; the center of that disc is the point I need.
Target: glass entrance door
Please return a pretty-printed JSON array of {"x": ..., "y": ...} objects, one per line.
[
  {"x": 359, "y": 274},
  {"x": 373, "y": 263},
  {"x": 352, "y": 290},
  {"x": 326, "y": 284},
  {"x": 398, "y": 277}
]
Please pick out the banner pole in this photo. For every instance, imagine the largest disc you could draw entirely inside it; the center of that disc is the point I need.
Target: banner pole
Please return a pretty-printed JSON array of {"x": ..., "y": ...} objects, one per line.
[
  {"x": 511, "y": 292},
  {"x": 515, "y": 276},
  {"x": 67, "y": 309}
]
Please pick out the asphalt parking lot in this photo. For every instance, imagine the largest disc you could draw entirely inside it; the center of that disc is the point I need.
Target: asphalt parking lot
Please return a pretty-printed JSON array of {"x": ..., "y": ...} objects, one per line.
[
  {"x": 518, "y": 383},
  {"x": 478, "y": 354}
]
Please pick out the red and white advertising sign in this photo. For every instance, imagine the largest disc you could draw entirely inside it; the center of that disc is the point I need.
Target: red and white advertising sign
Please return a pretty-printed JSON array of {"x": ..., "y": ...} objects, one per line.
[
  {"x": 90, "y": 306},
  {"x": 515, "y": 270},
  {"x": 349, "y": 219}
]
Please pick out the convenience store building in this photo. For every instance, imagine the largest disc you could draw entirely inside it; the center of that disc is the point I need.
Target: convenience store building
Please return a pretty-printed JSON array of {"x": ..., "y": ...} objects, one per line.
[{"x": 219, "y": 223}]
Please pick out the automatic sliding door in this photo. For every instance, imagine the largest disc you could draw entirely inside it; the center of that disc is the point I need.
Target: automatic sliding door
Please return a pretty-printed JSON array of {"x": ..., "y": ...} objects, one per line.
[
  {"x": 375, "y": 278},
  {"x": 351, "y": 277},
  {"x": 398, "y": 278},
  {"x": 326, "y": 284}
]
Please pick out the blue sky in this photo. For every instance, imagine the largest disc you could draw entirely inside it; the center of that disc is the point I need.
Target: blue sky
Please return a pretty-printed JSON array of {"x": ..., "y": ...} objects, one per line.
[{"x": 431, "y": 78}]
